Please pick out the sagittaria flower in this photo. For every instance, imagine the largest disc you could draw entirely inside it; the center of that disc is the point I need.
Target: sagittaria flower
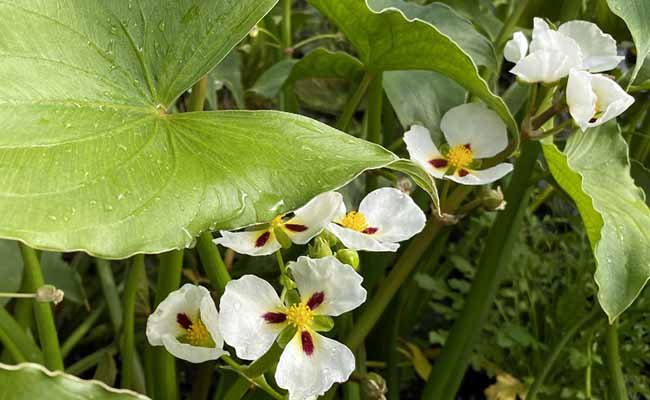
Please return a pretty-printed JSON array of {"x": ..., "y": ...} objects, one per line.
[
  {"x": 299, "y": 226},
  {"x": 386, "y": 216},
  {"x": 594, "y": 99},
  {"x": 187, "y": 324},
  {"x": 554, "y": 53},
  {"x": 253, "y": 316},
  {"x": 473, "y": 132}
]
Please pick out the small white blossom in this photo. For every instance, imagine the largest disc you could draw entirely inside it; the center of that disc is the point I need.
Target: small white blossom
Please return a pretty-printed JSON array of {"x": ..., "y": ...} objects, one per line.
[{"x": 473, "y": 132}]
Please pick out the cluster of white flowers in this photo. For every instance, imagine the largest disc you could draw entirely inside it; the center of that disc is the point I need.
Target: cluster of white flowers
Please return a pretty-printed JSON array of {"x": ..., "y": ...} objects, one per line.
[
  {"x": 252, "y": 316},
  {"x": 579, "y": 50}
]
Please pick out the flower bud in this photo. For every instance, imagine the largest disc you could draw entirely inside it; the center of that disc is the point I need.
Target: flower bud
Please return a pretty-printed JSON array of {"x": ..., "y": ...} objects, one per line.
[
  {"x": 319, "y": 248},
  {"x": 254, "y": 32},
  {"x": 349, "y": 257},
  {"x": 374, "y": 387},
  {"x": 49, "y": 293},
  {"x": 330, "y": 237},
  {"x": 405, "y": 185},
  {"x": 492, "y": 199}
]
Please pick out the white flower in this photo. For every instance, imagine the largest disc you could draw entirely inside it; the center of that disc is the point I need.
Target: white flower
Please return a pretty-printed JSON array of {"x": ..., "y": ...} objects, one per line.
[
  {"x": 594, "y": 99},
  {"x": 553, "y": 54},
  {"x": 472, "y": 132},
  {"x": 252, "y": 317},
  {"x": 300, "y": 226},
  {"x": 187, "y": 324},
  {"x": 386, "y": 216},
  {"x": 516, "y": 48}
]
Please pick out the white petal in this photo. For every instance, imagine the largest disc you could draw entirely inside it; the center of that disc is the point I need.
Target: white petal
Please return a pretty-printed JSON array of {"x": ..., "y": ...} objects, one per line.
[
  {"x": 393, "y": 213},
  {"x": 598, "y": 48},
  {"x": 580, "y": 98},
  {"x": 516, "y": 48},
  {"x": 360, "y": 241},
  {"x": 339, "y": 283},
  {"x": 163, "y": 328},
  {"x": 421, "y": 149},
  {"x": 241, "y": 321},
  {"x": 543, "y": 66},
  {"x": 312, "y": 375},
  {"x": 599, "y": 92},
  {"x": 484, "y": 176},
  {"x": 245, "y": 242},
  {"x": 477, "y": 125},
  {"x": 186, "y": 300},
  {"x": 539, "y": 26},
  {"x": 546, "y": 39},
  {"x": 315, "y": 215},
  {"x": 187, "y": 352}
]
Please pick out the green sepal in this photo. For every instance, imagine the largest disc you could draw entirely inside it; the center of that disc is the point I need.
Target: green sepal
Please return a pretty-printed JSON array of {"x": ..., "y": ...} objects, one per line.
[
  {"x": 282, "y": 237},
  {"x": 319, "y": 248},
  {"x": 322, "y": 323},
  {"x": 349, "y": 257},
  {"x": 286, "y": 335},
  {"x": 292, "y": 297},
  {"x": 330, "y": 237}
]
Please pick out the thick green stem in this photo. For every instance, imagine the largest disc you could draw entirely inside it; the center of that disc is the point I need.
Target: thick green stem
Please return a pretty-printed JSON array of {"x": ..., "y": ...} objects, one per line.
[
  {"x": 110, "y": 293},
  {"x": 20, "y": 346},
  {"x": 169, "y": 278},
  {"x": 43, "y": 311},
  {"x": 353, "y": 103},
  {"x": 447, "y": 374},
  {"x": 197, "y": 97},
  {"x": 212, "y": 262},
  {"x": 617, "y": 389},
  {"x": 374, "y": 309},
  {"x": 375, "y": 106},
  {"x": 135, "y": 274},
  {"x": 557, "y": 349}
]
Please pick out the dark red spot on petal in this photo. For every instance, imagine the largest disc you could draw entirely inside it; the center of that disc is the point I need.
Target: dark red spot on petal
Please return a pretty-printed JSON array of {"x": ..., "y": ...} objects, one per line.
[
  {"x": 315, "y": 300},
  {"x": 295, "y": 227},
  {"x": 593, "y": 120},
  {"x": 468, "y": 146},
  {"x": 262, "y": 239},
  {"x": 370, "y": 231},
  {"x": 307, "y": 342},
  {"x": 274, "y": 317},
  {"x": 439, "y": 163},
  {"x": 463, "y": 172},
  {"x": 183, "y": 320}
]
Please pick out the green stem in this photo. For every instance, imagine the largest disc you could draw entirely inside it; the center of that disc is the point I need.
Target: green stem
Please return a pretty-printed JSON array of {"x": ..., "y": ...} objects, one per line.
[
  {"x": 541, "y": 198},
  {"x": 283, "y": 268},
  {"x": 373, "y": 310},
  {"x": 135, "y": 274},
  {"x": 212, "y": 262},
  {"x": 82, "y": 329},
  {"x": 375, "y": 105},
  {"x": 197, "y": 97},
  {"x": 392, "y": 358},
  {"x": 286, "y": 23},
  {"x": 90, "y": 360},
  {"x": 557, "y": 349},
  {"x": 169, "y": 278},
  {"x": 447, "y": 373},
  {"x": 353, "y": 103},
  {"x": 23, "y": 312},
  {"x": 110, "y": 293},
  {"x": 509, "y": 25},
  {"x": 13, "y": 337},
  {"x": 237, "y": 390},
  {"x": 258, "y": 381},
  {"x": 43, "y": 311},
  {"x": 617, "y": 388},
  {"x": 335, "y": 36},
  {"x": 202, "y": 380},
  {"x": 643, "y": 149},
  {"x": 288, "y": 100}
]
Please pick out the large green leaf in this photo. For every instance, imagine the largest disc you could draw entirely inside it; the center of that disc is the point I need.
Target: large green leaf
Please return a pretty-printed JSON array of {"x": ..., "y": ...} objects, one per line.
[
  {"x": 594, "y": 170},
  {"x": 389, "y": 41},
  {"x": 89, "y": 158},
  {"x": 636, "y": 14},
  {"x": 270, "y": 82},
  {"x": 449, "y": 22},
  {"x": 323, "y": 63},
  {"x": 33, "y": 381}
]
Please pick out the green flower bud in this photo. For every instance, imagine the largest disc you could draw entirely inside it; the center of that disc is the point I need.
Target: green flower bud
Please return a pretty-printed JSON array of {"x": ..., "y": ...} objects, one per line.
[
  {"x": 282, "y": 237},
  {"x": 330, "y": 237},
  {"x": 349, "y": 257},
  {"x": 374, "y": 387},
  {"x": 493, "y": 199},
  {"x": 319, "y": 248},
  {"x": 49, "y": 293}
]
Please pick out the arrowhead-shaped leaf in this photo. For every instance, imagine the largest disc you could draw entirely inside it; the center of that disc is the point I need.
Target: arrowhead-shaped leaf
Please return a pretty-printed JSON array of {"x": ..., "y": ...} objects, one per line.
[
  {"x": 32, "y": 381},
  {"x": 91, "y": 160},
  {"x": 636, "y": 14},
  {"x": 408, "y": 44},
  {"x": 594, "y": 170}
]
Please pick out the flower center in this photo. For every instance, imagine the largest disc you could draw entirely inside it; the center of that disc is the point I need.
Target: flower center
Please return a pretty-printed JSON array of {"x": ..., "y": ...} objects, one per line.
[
  {"x": 355, "y": 221},
  {"x": 277, "y": 221},
  {"x": 460, "y": 156},
  {"x": 196, "y": 333},
  {"x": 300, "y": 315}
]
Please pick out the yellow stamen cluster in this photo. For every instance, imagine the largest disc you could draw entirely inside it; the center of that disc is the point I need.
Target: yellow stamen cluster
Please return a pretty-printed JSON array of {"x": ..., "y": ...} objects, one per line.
[
  {"x": 277, "y": 221},
  {"x": 299, "y": 315},
  {"x": 460, "y": 156},
  {"x": 197, "y": 335},
  {"x": 354, "y": 220}
]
